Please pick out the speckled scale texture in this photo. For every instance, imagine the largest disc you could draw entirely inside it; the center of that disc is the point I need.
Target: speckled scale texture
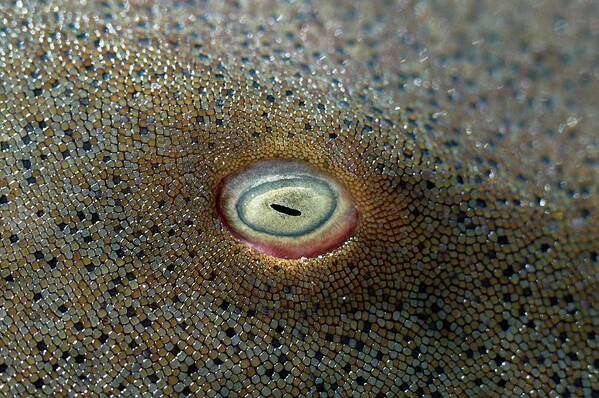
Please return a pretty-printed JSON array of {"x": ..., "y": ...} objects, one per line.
[{"x": 466, "y": 133}]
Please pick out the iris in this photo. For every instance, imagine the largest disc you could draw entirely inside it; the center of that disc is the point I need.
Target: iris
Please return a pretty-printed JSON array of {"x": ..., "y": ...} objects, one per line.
[{"x": 286, "y": 209}]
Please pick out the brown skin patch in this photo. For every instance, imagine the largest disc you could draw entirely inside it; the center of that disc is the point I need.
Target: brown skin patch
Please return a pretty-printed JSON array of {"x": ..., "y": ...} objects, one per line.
[{"x": 466, "y": 135}]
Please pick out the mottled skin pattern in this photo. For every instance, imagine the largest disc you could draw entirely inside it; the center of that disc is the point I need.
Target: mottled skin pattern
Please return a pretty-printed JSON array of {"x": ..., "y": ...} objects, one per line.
[{"x": 466, "y": 133}]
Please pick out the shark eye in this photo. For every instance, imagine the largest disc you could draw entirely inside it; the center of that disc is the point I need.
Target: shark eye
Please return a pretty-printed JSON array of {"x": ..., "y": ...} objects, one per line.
[{"x": 286, "y": 209}]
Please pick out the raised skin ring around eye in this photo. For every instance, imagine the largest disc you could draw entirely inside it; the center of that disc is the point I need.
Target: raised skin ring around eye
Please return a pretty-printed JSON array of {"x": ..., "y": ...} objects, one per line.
[{"x": 286, "y": 209}]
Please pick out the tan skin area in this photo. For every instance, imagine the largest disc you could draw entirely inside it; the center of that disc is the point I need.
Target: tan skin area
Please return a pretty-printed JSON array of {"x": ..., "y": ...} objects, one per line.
[{"x": 465, "y": 134}]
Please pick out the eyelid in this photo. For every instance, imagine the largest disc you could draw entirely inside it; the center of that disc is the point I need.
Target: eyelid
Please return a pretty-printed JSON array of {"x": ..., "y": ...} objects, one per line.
[{"x": 286, "y": 209}]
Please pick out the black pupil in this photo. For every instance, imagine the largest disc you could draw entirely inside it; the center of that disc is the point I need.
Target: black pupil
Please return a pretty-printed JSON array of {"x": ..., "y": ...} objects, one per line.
[{"x": 286, "y": 210}]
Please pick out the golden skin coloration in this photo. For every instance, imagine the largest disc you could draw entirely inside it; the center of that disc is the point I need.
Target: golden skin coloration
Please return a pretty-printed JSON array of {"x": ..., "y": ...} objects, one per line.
[{"x": 465, "y": 133}]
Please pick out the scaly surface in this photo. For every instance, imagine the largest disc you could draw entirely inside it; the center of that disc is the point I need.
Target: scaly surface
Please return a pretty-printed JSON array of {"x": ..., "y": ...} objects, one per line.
[{"x": 466, "y": 133}]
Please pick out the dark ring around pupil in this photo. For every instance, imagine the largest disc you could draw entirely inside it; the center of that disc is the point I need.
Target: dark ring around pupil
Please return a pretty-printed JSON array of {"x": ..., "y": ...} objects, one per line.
[{"x": 305, "y": 181}]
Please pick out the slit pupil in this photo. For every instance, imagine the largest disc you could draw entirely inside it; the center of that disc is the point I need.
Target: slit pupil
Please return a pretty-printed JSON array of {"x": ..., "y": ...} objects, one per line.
[{"x": 286, "y": 210}]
